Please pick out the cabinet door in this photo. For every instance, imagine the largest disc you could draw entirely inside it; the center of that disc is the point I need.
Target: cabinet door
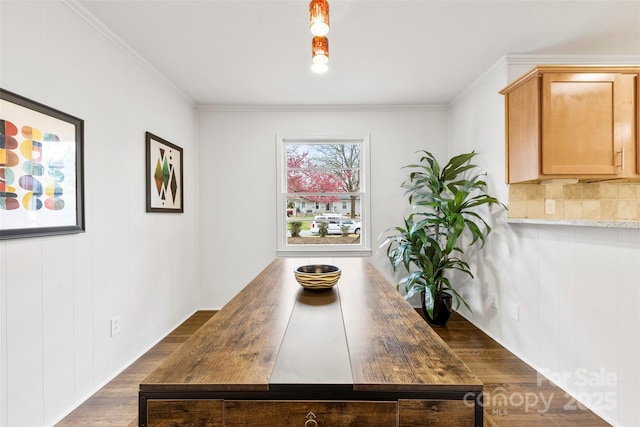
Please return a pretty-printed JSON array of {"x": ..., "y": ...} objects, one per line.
[
  {"x": 581, "y": 116},
  {"x": 523, "y": 132}
]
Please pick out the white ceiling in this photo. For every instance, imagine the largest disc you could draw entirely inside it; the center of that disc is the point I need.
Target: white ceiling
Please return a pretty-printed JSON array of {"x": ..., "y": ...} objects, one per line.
[{"x": 240, "y": 52}]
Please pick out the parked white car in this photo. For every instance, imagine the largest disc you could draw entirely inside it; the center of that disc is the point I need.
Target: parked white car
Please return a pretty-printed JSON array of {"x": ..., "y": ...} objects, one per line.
[{"x": 335, "y": 224}]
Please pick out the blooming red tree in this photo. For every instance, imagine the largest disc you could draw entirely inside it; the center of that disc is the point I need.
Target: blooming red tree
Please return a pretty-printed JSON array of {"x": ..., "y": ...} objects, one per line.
[{"x": 303, "y": 176}]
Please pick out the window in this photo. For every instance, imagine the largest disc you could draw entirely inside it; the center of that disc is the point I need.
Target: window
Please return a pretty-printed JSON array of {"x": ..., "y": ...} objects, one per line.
[{"x": 323, "y": 182}]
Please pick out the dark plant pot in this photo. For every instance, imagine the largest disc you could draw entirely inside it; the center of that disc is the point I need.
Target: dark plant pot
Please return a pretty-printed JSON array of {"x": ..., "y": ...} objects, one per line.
[{"x": 441, "y": 309}]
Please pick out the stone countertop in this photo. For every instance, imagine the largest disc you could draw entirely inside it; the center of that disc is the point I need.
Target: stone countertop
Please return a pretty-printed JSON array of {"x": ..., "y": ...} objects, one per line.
[{"x": 575, "y": 222}]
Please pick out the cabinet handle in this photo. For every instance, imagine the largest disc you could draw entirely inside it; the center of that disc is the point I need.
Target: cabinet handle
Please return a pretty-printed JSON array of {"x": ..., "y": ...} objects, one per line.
[
  {"x": 311, "y": 420},
  {"x": 621, "y": 158}
]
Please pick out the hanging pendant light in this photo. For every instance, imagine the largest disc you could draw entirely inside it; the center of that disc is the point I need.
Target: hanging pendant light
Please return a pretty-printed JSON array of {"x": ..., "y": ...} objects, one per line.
[
  {"x": 319, "y": 17},
  {"x": 320, "y": 50},
  {"x": 320, "y": 54}
]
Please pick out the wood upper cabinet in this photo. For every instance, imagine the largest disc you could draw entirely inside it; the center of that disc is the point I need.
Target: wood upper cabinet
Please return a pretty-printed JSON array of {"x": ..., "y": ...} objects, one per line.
[{"x": 573, "y": 122}]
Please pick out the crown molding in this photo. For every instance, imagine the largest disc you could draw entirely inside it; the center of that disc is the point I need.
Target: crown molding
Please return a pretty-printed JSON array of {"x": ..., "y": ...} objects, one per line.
[
  {"x": 321, "y": 108},
  {"x": 102, "y": 28},
  {"x": 596, "y": 59}
]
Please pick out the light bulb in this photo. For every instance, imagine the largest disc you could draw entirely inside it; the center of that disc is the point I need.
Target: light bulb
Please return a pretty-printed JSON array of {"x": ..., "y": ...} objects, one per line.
[
  {"x": 319, "y": 68},
  {"x": 319, "y": 29},
  {"x": 320, "y": 59}
]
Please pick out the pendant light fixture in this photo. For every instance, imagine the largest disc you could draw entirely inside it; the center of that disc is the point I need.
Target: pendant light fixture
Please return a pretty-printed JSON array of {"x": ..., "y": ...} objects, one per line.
[
  {"x": 319, "y": 17},
  {"x": 319, "y": 26},
  {"x": 320, "y": 54}
]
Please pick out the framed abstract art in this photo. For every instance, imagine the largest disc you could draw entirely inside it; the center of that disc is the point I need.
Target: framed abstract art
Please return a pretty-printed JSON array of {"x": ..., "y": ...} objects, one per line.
[
  {"x": 164, "y": 175},
  {"x": 41, "y": 169}
]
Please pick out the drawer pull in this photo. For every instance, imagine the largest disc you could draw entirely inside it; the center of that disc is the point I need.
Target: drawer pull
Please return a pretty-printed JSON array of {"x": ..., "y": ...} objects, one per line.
[{"x": 311, "y": 420}]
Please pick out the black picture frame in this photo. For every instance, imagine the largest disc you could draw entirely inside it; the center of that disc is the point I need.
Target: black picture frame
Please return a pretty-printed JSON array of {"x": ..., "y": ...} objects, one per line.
[
  {"x": 164, "y": 180},
  {"x": 41, "y": 169}
]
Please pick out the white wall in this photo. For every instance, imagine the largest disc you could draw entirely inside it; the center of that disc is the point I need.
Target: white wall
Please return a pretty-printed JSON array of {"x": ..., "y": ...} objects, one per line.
[
  {"x": 577, "y": 288},
  {"x": 238, "y": 170},
  {"x": 58, "y": 294}
]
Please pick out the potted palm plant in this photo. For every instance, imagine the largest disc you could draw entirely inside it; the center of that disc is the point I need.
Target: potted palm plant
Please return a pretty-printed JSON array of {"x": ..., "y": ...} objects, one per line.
[{"x": 429, "y": 243}]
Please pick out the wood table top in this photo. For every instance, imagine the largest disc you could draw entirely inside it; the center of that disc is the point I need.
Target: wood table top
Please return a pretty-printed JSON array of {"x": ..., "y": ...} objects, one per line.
[{"x": 361, "y": 334}]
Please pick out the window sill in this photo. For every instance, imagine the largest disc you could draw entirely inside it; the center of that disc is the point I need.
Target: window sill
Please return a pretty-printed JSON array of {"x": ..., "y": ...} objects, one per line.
[{"x": 311, "y": 252}]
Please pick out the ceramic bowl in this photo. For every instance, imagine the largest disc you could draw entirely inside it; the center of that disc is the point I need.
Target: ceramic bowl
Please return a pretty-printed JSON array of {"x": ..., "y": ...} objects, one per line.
[{"x": 317, "y": 276}]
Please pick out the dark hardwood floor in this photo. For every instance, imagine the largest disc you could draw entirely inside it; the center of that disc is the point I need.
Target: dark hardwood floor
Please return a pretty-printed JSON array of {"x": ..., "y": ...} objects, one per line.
[{"x": 514, "y": 395}]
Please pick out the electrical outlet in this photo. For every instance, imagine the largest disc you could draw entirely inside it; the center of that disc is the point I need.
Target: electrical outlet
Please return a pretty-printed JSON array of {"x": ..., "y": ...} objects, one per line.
[
  {"x": 549, "y": 206},
  {"x": 494, "y": 301},
  {"x": 115, "y": 325},
  {"x": 514, "y": 312}
]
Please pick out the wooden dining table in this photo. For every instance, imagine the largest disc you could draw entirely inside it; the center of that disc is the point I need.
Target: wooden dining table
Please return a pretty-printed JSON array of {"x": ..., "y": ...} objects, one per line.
[{"x": 356, "y": 354}]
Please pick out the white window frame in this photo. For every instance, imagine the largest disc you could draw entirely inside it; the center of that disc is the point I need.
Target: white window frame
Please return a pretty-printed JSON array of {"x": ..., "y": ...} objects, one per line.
[{"x": 361, "y": 249}]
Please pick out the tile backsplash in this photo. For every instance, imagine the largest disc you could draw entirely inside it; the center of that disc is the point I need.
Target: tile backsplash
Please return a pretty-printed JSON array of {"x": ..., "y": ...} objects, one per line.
[{"x": 589, "y": 201}]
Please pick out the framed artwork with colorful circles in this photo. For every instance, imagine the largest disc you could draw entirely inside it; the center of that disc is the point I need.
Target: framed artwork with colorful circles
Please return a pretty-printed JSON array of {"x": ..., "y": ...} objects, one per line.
[
  {"x": 41, "y": 169},
  {"x": 164, "y": 175}
]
